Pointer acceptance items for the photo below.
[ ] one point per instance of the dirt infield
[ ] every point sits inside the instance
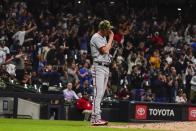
(170, 126)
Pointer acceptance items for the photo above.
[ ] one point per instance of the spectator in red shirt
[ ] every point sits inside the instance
(85, 106)
(157, 40)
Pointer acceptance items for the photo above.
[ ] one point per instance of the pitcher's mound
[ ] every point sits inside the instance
(171, 126)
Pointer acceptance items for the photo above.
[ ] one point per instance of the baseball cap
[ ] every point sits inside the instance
(105, 24)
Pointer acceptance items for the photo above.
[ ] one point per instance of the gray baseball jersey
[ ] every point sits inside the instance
(97, 41)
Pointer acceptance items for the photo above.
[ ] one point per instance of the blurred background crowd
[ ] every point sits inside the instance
(46, 43)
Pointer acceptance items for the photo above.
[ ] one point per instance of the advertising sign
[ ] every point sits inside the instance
(158, 112)
(192, 113)
(141, 112)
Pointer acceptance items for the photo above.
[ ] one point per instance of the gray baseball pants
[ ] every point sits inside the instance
(100, 79)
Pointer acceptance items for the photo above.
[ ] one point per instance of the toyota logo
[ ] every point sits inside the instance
(193, 113)
(140, 111)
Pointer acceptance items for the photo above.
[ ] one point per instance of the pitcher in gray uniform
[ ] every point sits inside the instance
(100, 48)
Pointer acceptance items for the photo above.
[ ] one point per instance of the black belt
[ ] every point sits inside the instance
(102, 64)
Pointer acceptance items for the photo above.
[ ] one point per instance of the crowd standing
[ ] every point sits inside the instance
(154, 57)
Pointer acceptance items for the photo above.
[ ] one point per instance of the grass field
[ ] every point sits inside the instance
(49, 125)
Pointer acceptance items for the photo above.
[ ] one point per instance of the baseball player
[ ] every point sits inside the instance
(101, 59)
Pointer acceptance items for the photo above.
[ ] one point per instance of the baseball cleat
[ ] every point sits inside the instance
(99, 123)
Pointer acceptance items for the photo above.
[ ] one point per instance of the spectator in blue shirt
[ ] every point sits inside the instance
(84, 73)
(85, 89)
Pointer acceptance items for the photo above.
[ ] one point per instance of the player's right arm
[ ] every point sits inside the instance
(105, 49)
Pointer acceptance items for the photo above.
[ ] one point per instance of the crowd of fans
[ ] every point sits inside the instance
(154, 57)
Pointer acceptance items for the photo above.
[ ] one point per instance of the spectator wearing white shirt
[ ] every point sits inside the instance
(69, 94)
(181, 97)
(19, 37)
(5, 48)
(193, 89)
(2, 54)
